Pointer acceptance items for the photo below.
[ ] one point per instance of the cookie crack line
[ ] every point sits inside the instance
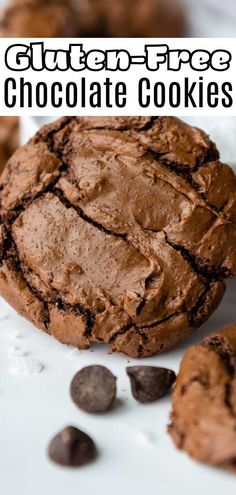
(91, 317)
(68, 120)
(188, 308)
(185, 174)
(141, 329)
(13, 258)
(181, 170)
(196, 310)
(47, 136)
(197, 264)
(12, 255)
(52, 188)
(78, 308)
(12, 214)
(60, 195)
(186, 254)
(209, 279)
(183, 251)
(211, 154)
(59, 303)
(141, 347)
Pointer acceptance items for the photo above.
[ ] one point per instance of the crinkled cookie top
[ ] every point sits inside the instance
(117, 230)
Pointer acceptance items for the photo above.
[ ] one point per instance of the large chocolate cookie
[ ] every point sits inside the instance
(204, 402)
(48, 19)
(61, 18)
(117, 230)
(9, 138)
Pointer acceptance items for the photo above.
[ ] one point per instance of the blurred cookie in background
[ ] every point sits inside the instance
(38, 18)
(9, 138)
(130, 18)
(93, 18)
(40, 2)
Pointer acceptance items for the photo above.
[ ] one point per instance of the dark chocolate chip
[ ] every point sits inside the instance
(71, 447)
(93, 389)
(150, 383)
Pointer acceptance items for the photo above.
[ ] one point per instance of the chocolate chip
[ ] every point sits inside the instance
(93, 389)
(71, 447)
(150, 383)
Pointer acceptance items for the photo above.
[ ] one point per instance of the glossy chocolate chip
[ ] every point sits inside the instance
(71, 447)
(93, 389)
(150, 383)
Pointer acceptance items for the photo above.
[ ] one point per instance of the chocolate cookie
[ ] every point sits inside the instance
(117, 230)
(204, 401)
(9, 138)
(38, 19)
(130, 18)
(54, 18)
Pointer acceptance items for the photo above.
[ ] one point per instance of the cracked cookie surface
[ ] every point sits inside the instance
(203, 419)
(116, 230)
